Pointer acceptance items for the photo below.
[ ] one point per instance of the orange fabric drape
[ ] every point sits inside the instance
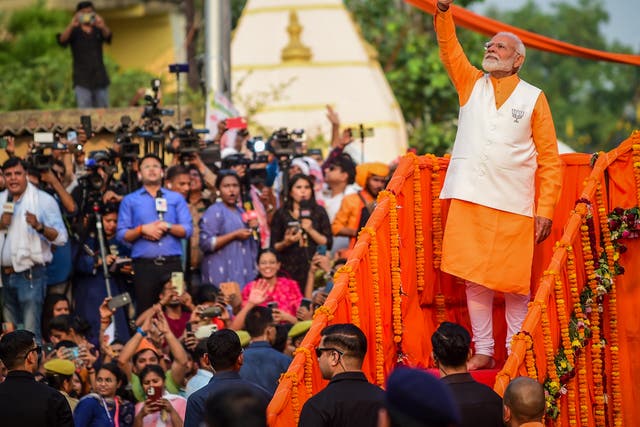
(419, 309)
(484, 25)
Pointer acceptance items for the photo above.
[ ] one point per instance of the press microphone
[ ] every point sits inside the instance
(305, 209)
(8, 205)
(161, 205)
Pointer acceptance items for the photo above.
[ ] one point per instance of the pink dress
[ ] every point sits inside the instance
(156, 419)
(286, 293)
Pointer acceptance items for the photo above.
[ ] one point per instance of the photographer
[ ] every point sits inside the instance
(86, 33)
(89, 282)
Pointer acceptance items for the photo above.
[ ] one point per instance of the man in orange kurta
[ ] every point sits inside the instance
(506, 139)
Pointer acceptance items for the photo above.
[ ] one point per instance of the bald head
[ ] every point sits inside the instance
(524, 401)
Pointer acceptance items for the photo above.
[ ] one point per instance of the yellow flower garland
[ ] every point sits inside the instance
(436, 233)
(308, 369)
(583, 389)
(552, 373)
(353, 293)
(295, 401)
(575, 296)
(396, 278)
(529, 355)
(323, 310)
(377, 308)
(417, 217)
(613, 311)
(596, 354)
(636, 164)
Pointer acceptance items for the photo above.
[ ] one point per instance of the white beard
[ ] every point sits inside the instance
(490, 65)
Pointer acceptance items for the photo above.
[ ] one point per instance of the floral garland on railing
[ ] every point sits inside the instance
(396, 278)
(529, 355)
(377, 309)
(308, 369)
(636, 167)
(417, 219)
(295, 401)
(436, 232)
(552, 383)
(353, 293)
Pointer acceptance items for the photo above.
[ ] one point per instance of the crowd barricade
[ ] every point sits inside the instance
(580, 347)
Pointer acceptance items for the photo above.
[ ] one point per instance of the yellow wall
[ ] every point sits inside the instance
(142, 42)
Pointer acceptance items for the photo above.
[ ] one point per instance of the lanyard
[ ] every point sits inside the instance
(116, 422)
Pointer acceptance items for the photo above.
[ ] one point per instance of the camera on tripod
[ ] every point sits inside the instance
(129, 150)
(189, 141)
(152, 115)
(285, 143)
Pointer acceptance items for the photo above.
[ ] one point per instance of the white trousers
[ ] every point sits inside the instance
(480, 305)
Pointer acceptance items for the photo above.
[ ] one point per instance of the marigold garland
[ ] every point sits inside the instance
(441, 310)
(308, 369)
(396, 278)
(611, 257)
(436, 232)
(583, 389)
(587, 233)
(323, 310)
(552, 383)
(417, 217)
(295, 401)
(636, 168)
(377, 309)
(529, 355)
(353, 293)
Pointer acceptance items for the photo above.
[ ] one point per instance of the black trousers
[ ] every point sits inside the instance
(151, 274)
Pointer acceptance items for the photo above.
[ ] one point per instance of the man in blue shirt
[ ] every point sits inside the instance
(225, 356)
(262, 365)
(153, 219)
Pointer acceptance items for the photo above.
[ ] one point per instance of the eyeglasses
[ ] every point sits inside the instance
(37, 349)
(321, 350)
(498, 45)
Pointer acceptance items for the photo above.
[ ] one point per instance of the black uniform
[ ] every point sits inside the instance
(479, 405)
(25, 402)
(348, 399)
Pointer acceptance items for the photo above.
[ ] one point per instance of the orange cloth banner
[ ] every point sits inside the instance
(392, 288)
(484, 25)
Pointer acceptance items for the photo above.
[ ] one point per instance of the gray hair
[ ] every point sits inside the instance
(519, 45)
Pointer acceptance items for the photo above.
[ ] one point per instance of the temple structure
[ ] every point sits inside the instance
(291, 58)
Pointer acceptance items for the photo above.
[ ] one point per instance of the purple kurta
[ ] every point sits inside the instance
(234, 262)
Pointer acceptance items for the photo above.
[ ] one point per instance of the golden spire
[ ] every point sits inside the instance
(295, 50)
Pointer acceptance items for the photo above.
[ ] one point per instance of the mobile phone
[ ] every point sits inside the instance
(306, 302)
(188, 327)
(48, 348)
(72, 136)
(3, 143)
(74, 352)
(86, 125)
(272, 305)
(294, 224)
(236, 123)
(119, 301)
(178, 68)
(44, 137)
(154, 393)
(177, 281)
(213, 311)
(322, 249)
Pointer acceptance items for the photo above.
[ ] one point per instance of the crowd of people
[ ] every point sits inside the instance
(121, 270)
(141, 293)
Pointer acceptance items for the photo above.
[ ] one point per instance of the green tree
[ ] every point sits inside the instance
(36, 71)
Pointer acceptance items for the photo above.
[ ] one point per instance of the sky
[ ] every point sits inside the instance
(623, 15)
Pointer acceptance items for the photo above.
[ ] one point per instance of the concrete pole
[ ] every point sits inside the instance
(217, 15)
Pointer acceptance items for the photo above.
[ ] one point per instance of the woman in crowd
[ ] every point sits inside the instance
(270, 288)
(54, 305)
(296, 233)
(106, 407)
(226, 241)
(160, 408)
(89, 284)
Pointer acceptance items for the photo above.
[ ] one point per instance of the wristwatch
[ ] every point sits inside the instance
(40, 229)
(169, 225)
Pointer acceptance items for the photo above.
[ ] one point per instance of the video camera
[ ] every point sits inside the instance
(129, 150)
(189, 141)
(40, 158)
(286, 143)
(152, 126)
